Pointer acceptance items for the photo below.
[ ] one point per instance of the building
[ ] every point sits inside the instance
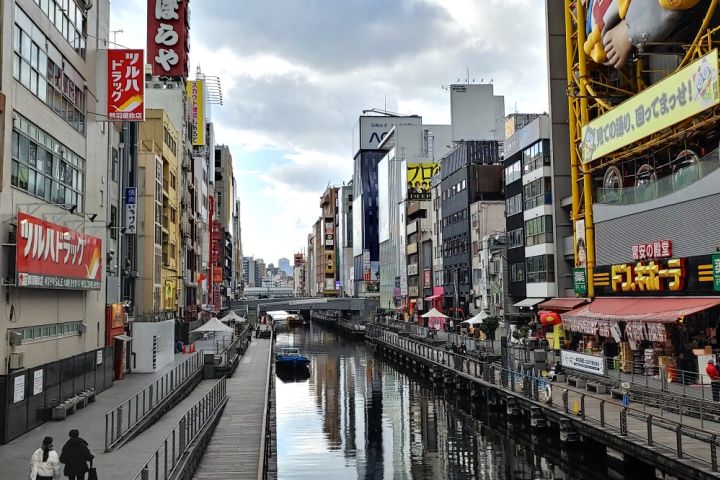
(344, 225)
(487, 240)
(299, 275)
(224, 189)
(54, 168)
(284, 265)
(310, 266)
(238, 274)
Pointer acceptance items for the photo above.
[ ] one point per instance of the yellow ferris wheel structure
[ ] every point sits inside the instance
(595, 89)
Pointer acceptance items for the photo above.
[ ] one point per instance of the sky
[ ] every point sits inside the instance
(296, 74)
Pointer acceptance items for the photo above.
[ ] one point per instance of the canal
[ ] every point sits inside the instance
(354, 415)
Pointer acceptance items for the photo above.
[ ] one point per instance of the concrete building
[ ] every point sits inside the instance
(299, 279)
(54, 170)
(284, 265)
(487, 237)
(238, 263)
(310, 266)
(223, 191)
(344, 234)
(326, 254)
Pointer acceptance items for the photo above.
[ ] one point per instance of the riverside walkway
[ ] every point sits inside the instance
(236, 449)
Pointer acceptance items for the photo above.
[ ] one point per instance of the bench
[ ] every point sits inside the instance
(70, 405)
(596, 387)
(576, 382)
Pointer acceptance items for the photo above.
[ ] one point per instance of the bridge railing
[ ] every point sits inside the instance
(684, 442)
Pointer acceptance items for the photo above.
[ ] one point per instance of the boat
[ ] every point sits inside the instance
(290, 357)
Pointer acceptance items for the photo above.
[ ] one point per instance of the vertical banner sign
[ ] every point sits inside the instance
(196, 97)
(126, 85)
(130, 211)
(53, 256)
(167, 36)
(580, 280)
(716, 271)
(38, 382)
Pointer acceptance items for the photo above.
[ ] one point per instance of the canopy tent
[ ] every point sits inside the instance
(436, 319)
(434, 313)
(213, 325)
(477, 319)
(233, 317)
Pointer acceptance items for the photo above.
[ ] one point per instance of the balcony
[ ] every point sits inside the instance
(686, 175)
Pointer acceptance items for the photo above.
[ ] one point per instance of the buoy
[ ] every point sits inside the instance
(576, 407)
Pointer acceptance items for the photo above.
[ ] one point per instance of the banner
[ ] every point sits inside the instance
(418, 180)
(52, 256)
(126, 85)
(669, 101)
(167, 37)
(196, 96)
(582, 362)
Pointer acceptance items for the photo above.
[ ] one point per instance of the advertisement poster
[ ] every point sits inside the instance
(19, 389)
(580, 245)
(195, 90)
(38, 382)
(126, 85)
(582, 362)
(418, 180)
(53, 256)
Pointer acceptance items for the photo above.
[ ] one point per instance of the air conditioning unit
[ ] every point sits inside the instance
(17, 360)
(83, 328)
(14, 338)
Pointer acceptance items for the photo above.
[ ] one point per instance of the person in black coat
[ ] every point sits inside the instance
(76, 455)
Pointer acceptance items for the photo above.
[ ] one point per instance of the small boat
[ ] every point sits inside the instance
(290, 357)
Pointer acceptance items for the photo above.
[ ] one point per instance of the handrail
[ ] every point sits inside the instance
(122, 420)
(264, 434)
(532, 387)
(163, 461)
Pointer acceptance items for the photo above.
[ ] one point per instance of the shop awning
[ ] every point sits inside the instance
(562, 304)
(433, 297)
(122, 338)
(528, 302)
(644, 309)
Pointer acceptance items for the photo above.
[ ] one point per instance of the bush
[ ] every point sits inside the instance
(488, 327)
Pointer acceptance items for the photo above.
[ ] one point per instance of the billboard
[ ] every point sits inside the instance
(196, 98)
(369, 131)
(126, 85)
(52, 256)
(418, 180)
(167, 37)
(681, 95)
(383, 200)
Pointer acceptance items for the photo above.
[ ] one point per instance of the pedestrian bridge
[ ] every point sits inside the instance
(356, 306)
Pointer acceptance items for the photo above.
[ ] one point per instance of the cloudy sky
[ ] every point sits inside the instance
(297, 73)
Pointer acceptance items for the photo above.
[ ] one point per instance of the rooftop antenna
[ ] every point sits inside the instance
(115, 32)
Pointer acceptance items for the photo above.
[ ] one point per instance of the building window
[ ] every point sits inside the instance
(513, 205)
(539, 230)
(515, 238)
(56, 85)
(536, 156)
(540, 269)
(538, 192)
(517, 272)
(43, 167)
(69, 19)
(513, 172)
(114, 222)
(38, 333)
(114, 164)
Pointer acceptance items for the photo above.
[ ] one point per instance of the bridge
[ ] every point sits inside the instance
(358, 308)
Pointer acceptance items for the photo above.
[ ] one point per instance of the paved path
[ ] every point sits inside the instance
(235, 448)
(15, 456)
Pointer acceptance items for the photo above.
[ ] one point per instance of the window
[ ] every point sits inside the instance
(536, 156)
(513, 205)
(513, 172)
(463, 184)
(538, 192)
(515, 238)
(517, 272)
(69, 19)
(45, 168)
(114, 221)
(114, 164)
(539, 230)
(540, 269)
(172, 181)
(39, 333)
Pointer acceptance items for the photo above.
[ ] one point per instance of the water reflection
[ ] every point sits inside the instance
(359, 417)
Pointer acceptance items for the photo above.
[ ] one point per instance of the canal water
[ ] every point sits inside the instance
(353, 415)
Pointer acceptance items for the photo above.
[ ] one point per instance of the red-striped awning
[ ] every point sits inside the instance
(642, 309)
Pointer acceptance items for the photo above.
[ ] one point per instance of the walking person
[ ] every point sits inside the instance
(76, 455)
(44, 463)
(714, 375)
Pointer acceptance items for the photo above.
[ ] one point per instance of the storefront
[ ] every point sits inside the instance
(652, 315)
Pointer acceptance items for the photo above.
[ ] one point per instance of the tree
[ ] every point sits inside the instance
(488, 327)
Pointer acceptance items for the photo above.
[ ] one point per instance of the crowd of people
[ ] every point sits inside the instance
(74, 460)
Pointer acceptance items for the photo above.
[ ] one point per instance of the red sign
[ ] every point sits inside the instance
(168, 42)
(426, 283)
(52, 256)
(126, 85)
(652, 250)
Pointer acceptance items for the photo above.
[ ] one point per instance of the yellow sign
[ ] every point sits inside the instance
(195, 90)
(418, 180)
(648, 277)
(671, 100)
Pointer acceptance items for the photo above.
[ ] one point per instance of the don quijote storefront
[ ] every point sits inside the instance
(656, 314)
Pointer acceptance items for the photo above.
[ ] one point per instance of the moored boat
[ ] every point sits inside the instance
(290, 357)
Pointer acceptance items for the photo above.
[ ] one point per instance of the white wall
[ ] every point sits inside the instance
(142, 345)
(476, 113)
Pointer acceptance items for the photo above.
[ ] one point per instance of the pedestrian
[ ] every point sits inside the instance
(714, 375)
(76, 455)
(452, 325)
(45, 464)
(463, 349)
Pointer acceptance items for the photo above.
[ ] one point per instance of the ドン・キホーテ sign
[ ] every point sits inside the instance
(53, 256)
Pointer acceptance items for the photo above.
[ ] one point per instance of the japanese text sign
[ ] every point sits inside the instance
(130, 211)
(53, 256)
(649, 277)
(126, 85)
(716, 271)
(652, 250)
(418, 180)
(168, 45)
(669, 101)
(196, 97)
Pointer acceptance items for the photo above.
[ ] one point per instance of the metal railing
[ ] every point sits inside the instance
(624, 421)
(122, 420)
(266, 432)
(162, 463)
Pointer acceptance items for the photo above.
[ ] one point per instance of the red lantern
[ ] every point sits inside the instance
(548, 318)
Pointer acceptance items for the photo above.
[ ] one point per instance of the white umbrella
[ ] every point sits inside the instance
(233, 317)
(434, 313)
(213, 325)
(477, 319)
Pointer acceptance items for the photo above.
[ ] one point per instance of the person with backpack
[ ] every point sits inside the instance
(44, 463)
(76, 455)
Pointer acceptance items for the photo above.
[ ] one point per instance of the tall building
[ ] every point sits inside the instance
(223, 192)
(329, 211)
(238, 264)
(54, 168)
(344, 225)
(284, 265)
(299, 275)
